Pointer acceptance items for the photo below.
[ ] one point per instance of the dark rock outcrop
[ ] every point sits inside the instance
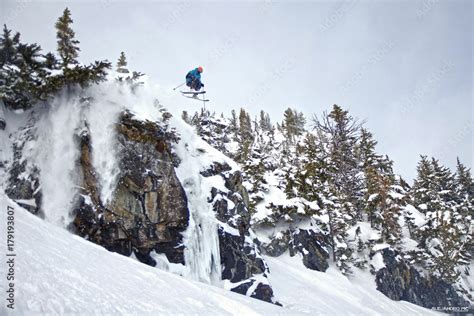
(310, 245)
(240, 256)
(262, 292)
(148, 210)
(215, 169)
(307, 243)
(399, 281)
(240, 259)
(278, 244)
(23, 180)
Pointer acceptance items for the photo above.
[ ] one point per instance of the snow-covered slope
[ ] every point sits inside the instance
(59, 273)
(311, 292)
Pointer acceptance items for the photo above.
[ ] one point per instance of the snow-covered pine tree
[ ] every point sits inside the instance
(121, 66)
(72, 72)
(342, 132)
(293, 124)
(23, 71)
(445, 238)
(245, 136)
(464, 219)
(68, 46)
(338, 133)
(123, 74)
(422, 187)
(234, 126)
(264, 122)
(9, 71)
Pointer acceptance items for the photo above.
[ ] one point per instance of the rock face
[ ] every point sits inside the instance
(23, 180)
(148, 210)
(307, 243)
(310, 245)
(399, 281)
(242, 263)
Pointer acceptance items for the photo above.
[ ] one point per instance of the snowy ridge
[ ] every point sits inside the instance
(305, 291)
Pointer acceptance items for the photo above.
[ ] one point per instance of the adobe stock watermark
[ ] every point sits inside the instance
(426, 7)
(106, 3)
(410, 103)
(20, 6)
(173, 17)
(287, 65)
(225, 48)
(10, 257)
(456, 141)
(266, 5)
(374, 58)
(337, 15)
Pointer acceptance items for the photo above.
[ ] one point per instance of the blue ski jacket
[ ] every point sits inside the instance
(193, 75)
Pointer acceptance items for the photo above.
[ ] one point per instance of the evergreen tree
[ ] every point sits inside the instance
(22, 72)
(72, 74)
(124, 74)
(234, 126)
(464, 217)
(446, 238)
(68, 46)
(8, 46)
(293, 124)
(422, 187)
(122, 64)
(341, 133)
(264, 122)
(245, 138)
(378, 177)
(463, 181)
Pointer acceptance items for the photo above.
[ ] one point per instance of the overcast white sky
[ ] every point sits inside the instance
(403, 66)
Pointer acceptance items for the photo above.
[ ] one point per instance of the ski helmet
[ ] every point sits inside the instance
(200, 69)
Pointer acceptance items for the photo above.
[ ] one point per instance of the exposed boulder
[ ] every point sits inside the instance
(399, 281)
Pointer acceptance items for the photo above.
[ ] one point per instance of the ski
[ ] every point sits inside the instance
(193, 92)
(196, 98)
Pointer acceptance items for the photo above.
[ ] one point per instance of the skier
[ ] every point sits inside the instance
(193, 79)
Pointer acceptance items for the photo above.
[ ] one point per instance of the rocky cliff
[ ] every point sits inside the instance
(148, 212)
(400, 281)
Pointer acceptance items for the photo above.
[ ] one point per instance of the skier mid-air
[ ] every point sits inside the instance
(193, 81)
